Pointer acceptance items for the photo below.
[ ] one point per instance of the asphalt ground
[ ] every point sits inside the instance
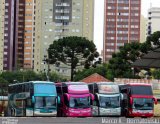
(68, 120)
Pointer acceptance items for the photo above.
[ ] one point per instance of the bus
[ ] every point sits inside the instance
(3, 105)
(34, 98)
(75, 99)
(107, 100)
(138, 100)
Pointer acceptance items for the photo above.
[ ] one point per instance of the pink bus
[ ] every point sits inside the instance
(75, 99)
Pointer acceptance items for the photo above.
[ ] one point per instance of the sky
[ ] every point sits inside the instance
(99, 18)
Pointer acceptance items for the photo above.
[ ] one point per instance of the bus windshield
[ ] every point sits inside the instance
(109, 102)
(143, 103)
(45, 102)
(40, 88)
(83, 102)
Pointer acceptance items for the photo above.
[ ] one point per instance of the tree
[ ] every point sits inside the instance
(25, 76)
(155, 73)
(102, 69)
(154, 39)
(73, 51)
(120, 64)
(3, 86)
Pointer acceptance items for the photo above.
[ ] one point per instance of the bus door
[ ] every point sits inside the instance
(124, 102)
(95, 106)
(20, 108)
(29, 107)
(65, 105)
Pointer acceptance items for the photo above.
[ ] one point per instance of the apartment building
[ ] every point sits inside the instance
(56, 19)
(153, 20)
(2, 12)
(121, 25)
(30, 26)
(18, 34)
(8, 36)
(143, 32)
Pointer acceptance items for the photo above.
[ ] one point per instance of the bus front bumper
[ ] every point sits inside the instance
(110, 112)
(141, 113)
(42, 113)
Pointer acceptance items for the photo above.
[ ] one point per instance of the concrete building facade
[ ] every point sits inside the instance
(8, 44)
(143, 31)
(56, 19)
(153, 20)
(2, 12)
(121, 25)
(30, 26)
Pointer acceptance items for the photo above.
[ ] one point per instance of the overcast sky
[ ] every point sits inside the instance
(99, 17)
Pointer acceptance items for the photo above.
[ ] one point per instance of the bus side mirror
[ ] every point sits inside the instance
(92, 97)
(58, 100)
(33, 99)
(155, 100)
(131, 100)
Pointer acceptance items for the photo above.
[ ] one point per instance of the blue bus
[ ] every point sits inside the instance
(34, 98)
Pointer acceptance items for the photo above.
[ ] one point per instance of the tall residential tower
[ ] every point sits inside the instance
(153, 20)
(28, 27)
(56, 19)
(2, 11)
(121, 25)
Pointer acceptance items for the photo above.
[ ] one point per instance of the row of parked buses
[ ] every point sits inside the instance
(77, 99)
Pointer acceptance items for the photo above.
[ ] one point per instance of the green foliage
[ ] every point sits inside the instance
(55, 77)
(120, 64)
(87, 72)
(3, 81)
(25, 76)
(154, 38)
(3, 86)
(71, 51)
(155, 73)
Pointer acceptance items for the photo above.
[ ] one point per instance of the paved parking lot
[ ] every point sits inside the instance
(90, 120)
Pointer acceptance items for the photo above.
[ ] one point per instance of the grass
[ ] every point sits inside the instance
(157, 110)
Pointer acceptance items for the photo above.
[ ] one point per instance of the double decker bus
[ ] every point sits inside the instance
(3, 105)
(138, 100)
(107, 99)
(35, 98)
(75, 99)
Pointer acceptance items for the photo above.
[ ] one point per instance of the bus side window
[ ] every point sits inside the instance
(29, 103)
(27, 88)
(10, 89)
(15, 89)
(31, 88)
(23, 87)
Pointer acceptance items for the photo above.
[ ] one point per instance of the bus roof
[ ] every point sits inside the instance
(69, 83)
(138, 84)
(106, 83)
(34, 82)
(3, 98)
(64, 84)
